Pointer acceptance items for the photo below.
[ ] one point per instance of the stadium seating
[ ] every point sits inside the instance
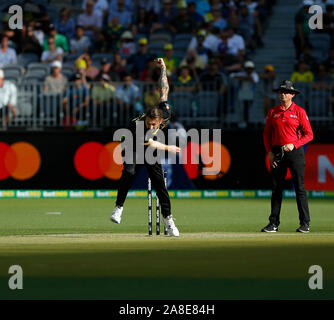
(13, 70)
(71, 57)
(304, 89)
(320, 43)
(23, 59)
(208, 103)
(38, 69)
(182, 102)
(68, 72)
(32, 78)
(319, 104)
(13, 79)
(183, 37)
(160, 38)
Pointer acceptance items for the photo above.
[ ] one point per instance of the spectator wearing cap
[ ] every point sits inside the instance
(102, 99)
(105, 67)
(247, 80)
(91, 70)
(91, 22)
(302, 74)
(211, 39)
(268, 82)
(128, 95)
(171, 62)
(80, 66)
(81, 43)
(103, 92)
(127, 46)
(76, 99)
(203, 52)
(184, 82)
(7, 55)
(182, 23)
(8, 99)
(125, 16)
(56, 82)
(60, 40)
(65, 25)
(52, 53)
(138, 62)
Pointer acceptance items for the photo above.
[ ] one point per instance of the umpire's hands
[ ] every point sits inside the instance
(272, 162)
(289, 147)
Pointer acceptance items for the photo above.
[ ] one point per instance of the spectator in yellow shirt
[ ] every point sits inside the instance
(303, 74)
(171, 62)
(151, 96)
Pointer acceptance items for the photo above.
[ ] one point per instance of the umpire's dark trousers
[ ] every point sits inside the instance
(295, 161)
(155, 173)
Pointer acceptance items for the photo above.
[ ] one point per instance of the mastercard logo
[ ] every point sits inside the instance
(20, 160)
(94, 160)
(218, 162)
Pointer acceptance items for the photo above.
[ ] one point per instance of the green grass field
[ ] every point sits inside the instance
(69, 249)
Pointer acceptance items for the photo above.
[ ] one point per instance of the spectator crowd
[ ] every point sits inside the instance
(203, 43)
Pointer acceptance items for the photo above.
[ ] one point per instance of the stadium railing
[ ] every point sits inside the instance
(37, 110)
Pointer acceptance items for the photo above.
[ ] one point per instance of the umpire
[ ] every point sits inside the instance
(286, 130)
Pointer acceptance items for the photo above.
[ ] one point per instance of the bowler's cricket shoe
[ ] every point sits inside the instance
(170, 226)
(304, 229)
(270, 228)
(116, 215)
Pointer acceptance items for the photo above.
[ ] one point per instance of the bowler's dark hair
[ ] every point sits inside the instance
(154, 113)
